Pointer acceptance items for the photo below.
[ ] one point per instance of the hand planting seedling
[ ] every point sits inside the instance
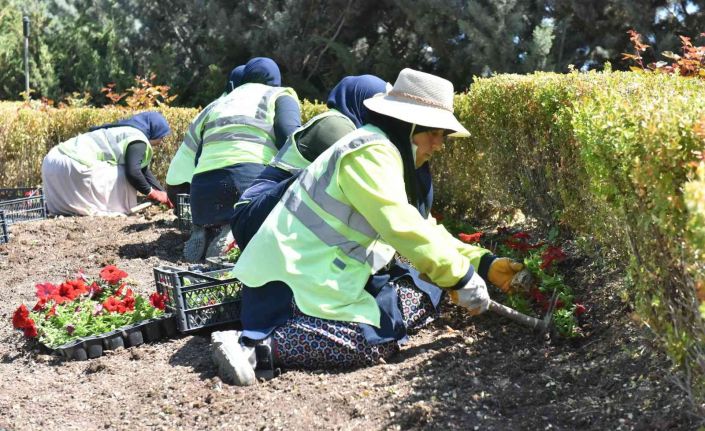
(533, 288)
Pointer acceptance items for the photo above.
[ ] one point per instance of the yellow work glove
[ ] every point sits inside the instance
(502, 271)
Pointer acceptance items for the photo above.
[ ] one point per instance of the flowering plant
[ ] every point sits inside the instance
(82, 307)
(541, 259)
(232, 252)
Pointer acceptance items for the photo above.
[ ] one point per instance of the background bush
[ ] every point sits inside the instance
(27, 133)
(612, 157)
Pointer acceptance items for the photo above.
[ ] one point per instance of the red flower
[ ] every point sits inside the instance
(59, 299)
(67, 292)
(231, 246)
(550, 255)
(537, 296)
(79, 286)
(129, 303)
(51, 312)
(519, 243)
(579, 309)
(94, 290)
(111, 304)
(112, 274)
(158, 300)
(20, 318)
(470, 238)
(521, 235)
(30, 331)
(40, 305)
(45, 290)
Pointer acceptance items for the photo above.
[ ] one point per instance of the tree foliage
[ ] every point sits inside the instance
(81, 45)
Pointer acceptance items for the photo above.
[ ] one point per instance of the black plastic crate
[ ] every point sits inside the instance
(199, 299)
(18, 193)
(4, 234)
(22, 204)
(183, 211)
(220, 262)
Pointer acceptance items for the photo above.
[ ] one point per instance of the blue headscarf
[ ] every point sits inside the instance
(152, 124)
(348, 95)
(235, 78)
(262, 70)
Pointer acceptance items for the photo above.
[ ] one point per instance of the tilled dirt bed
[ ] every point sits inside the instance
(459, 373)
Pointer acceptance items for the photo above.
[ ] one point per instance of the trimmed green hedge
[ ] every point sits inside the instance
(28, 133)
(612, 156)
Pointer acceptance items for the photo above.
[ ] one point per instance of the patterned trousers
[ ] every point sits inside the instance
(314, 343)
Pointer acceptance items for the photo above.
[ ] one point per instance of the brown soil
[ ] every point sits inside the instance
(459, 373)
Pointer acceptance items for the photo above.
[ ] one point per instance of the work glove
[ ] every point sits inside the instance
(502, 271)
(160, 196)
(472, 296)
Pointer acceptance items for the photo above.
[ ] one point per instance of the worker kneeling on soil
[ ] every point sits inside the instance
(101, 171)
(346, 114)
(241, 135)
(181, 167)
(322, 287)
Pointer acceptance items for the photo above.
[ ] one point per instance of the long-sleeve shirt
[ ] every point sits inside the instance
(287, 118)
(140, 178)
(381, 199)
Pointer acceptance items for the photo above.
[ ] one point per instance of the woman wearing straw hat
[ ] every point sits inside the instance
(322, 288)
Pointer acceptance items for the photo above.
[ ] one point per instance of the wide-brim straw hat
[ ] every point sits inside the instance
(419, 98)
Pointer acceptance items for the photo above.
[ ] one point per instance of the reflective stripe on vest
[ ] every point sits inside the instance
(193, 136)
(262, 121)
(316, 190)
(242, 120)
(235, 136)
(108, 145)
(183, 163)
(289, 158)
(240, 128)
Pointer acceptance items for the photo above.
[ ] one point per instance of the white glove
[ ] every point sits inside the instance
(472, 296)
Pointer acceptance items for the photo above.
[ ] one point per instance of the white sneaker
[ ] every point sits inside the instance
(220, 242)
(236, 363)
(196, 244)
